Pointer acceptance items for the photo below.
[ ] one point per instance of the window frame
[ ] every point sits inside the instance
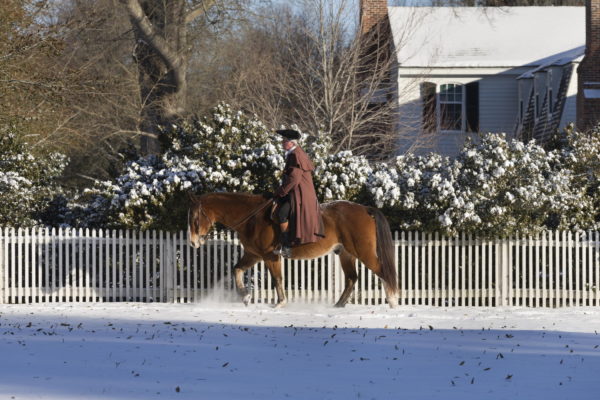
(462, 103)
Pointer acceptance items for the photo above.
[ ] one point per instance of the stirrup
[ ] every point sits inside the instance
(284, 251)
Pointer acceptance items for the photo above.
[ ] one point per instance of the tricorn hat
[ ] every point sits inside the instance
(289, 134)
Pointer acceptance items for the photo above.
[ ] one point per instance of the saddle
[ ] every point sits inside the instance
(275, 220)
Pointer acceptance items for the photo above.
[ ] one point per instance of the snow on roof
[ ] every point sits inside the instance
(484, 36)
(557, 60)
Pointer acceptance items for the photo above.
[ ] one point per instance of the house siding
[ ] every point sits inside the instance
(570, 111)
(498, 103)
(409, 114)
(498, 99)
(411, 139)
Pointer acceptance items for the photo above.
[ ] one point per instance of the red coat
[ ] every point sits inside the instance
(306, 224)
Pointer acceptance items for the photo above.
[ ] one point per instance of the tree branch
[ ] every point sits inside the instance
(198, 10)
(147, 31)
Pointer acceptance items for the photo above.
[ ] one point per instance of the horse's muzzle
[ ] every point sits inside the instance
(196, 241)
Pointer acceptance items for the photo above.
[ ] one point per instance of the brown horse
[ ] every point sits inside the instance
(353, 231)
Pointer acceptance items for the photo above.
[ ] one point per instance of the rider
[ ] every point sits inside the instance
(298, 208)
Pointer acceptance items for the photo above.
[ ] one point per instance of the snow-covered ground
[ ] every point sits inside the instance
(228, 351)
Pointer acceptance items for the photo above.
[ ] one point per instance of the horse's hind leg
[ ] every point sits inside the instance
(247, 261)
(274, 267)
(347, 260)
(372, 263)
(391, 295)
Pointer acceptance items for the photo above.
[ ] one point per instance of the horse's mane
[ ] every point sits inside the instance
(242, 196)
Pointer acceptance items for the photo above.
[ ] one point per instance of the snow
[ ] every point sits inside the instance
(227, 351)
(484, 36)
(556, 60)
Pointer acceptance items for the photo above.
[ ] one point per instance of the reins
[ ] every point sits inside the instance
(205, 236)
(253, 213)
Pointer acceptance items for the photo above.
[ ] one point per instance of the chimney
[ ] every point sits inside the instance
(372, 14)
(588, 93)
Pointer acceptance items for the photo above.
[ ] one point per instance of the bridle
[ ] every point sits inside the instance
(210, 221)
(233, 227)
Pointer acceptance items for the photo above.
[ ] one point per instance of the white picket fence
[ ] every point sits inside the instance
(553, 269)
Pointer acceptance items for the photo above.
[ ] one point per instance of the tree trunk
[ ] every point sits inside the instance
(161, 55)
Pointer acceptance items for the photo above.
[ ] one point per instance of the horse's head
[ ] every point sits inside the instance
(199, 222)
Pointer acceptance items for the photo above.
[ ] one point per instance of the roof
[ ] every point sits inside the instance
(484, 36)
(557, 60)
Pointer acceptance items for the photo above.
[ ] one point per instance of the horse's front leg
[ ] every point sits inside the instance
(247, 261)
(274, 266)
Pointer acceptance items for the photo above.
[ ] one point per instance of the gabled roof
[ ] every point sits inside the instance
(484, 36)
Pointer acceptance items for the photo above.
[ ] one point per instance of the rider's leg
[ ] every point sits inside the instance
(284, 226)
(283, 214)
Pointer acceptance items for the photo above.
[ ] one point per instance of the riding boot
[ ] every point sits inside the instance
(285, 246)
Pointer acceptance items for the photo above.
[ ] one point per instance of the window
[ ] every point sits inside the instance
(454, 108)
(550, 102)
(451, 107)
(537, 105)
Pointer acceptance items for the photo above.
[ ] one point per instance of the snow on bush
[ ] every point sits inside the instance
(341, 176)
(506, 186)
(580, 153)
(227, 151)
(494, 187)
(413, 190)
(28, 181)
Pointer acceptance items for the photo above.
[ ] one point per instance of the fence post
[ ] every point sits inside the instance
(504, 279)
(165, 265)
(171, 266)
(2, 266)
(163, 268)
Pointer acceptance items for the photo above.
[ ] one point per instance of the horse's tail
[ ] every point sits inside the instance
(385, 249)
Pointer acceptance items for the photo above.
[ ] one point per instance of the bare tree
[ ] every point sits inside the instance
(31, 94)
(162, 53)
(101, 107)
(307, 66)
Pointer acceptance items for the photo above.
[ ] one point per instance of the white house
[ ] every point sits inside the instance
(462, 70)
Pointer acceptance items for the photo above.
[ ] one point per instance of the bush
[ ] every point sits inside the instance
(341, 176)
(511, 187)
(580, 153)
(494, 187)
(28, 180)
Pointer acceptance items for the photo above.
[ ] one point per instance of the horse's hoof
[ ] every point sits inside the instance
(246, 299)
(281, 304)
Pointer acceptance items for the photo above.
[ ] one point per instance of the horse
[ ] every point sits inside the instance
(352, 231)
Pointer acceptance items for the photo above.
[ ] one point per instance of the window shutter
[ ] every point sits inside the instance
(428, 98)
(472, 105)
